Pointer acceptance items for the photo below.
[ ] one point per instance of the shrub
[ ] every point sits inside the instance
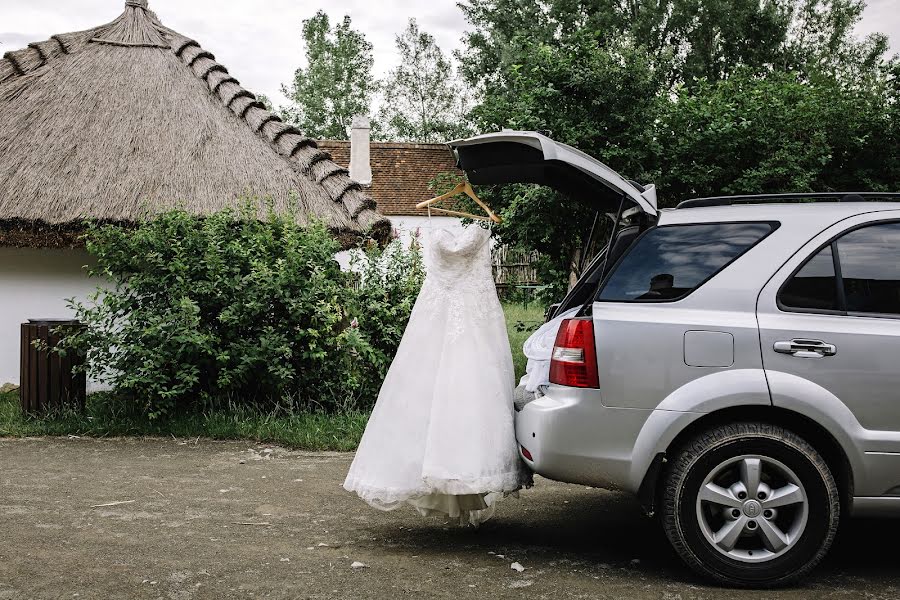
(389, 283)
(199, 312)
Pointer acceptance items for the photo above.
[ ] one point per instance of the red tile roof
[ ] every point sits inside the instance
(400, 172)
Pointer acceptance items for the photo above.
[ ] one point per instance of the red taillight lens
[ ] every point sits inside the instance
(574, 361)
(526, 453)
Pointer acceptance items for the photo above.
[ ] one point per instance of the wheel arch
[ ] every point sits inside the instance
(814, 433)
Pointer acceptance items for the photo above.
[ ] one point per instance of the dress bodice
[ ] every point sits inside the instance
(460, 259)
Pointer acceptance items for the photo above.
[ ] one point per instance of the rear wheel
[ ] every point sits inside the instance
(750, 505)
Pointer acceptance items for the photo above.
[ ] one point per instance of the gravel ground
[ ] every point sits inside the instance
(182, 520)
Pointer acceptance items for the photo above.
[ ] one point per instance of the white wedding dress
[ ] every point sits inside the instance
(441, 436)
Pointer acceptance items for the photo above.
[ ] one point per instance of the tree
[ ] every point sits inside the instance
(751, 134)
(685, 40)
(602, 100)
(821, 40)
(336, 84)
(599, 95)
(616, 80)
(423, 100)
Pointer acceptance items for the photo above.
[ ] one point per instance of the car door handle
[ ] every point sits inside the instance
(802, 348)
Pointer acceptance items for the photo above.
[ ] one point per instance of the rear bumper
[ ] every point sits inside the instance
(572, 437)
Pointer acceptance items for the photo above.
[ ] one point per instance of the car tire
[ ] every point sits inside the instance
(718, 529)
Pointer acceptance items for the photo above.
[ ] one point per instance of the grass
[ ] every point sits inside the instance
(520, 323)
(301, 430)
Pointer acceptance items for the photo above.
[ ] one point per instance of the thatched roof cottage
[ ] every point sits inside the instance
(131, 117)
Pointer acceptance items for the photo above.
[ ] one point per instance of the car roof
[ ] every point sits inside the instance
(830, 212)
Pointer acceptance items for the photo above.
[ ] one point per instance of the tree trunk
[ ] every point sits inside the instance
(574, 267)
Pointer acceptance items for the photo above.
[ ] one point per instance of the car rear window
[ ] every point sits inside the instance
(671, 261)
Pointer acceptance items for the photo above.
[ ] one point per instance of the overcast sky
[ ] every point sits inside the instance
(259, 42)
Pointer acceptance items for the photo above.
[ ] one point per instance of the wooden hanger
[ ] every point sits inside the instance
(463, 187)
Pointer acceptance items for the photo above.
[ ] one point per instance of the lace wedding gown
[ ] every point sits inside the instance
(441, 435)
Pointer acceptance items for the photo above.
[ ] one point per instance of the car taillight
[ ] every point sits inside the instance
(574, 361)
(526, 453)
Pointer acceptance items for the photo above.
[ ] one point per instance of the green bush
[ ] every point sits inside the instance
(389, 282)
(197, 313)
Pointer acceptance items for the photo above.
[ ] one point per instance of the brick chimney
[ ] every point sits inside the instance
(360, 165)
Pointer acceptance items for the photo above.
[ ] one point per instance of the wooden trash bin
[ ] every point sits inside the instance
(47, 380)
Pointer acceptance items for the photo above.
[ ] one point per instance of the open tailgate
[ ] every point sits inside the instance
(530, 157)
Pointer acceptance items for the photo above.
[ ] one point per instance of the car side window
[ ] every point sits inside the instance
(670, 261)
(858, 273)
(813, 286)
(870, 269)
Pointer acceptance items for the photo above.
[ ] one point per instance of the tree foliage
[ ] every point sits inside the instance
(685, 40)
(821, 41)
(422, 99)
(336, 84)
(777, 133)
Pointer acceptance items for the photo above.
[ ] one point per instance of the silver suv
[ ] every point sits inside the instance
(735, 363)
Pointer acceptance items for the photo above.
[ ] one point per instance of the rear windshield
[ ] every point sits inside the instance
(671, 261)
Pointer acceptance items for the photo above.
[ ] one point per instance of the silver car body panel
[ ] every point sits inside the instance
(876, 507)
(648, 394)
(556, 152)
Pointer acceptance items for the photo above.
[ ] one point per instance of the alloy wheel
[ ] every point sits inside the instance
(752, 508)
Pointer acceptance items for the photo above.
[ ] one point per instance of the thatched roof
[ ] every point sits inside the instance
(131, 116)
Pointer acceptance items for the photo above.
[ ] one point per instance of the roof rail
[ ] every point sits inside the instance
(801, 197)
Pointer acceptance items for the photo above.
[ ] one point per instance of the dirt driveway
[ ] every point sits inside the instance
(185, 520)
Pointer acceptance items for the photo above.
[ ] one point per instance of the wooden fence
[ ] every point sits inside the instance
(514, 267)
(510, 268)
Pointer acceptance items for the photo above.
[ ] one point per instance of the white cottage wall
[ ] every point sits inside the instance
(34, 284)
(409, 227)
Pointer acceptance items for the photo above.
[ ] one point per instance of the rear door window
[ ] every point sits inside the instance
(870, 269)
(671, 261)
(814, 286)
(856, 274)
